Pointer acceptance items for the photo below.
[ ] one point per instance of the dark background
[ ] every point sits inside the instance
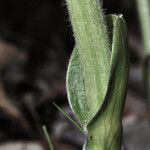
(36, 41)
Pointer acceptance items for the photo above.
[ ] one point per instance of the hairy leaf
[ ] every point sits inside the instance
(107, 123)
(85, 99)
(92, 54)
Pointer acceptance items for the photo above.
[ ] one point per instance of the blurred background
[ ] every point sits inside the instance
(36, 41)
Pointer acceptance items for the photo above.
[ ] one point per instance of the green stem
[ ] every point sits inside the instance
(47, 136)
(144, 14)
(74, 122)
(104, 137)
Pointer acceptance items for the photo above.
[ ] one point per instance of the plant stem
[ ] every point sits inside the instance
(105, 136)
(73, 121)
(144, 14)
(47, 136)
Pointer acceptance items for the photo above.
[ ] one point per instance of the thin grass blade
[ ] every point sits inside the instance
(47, 136)
(67, 116)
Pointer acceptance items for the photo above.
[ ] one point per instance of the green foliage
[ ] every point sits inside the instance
(68, 117)
(47, 136)
(144, 15)
(97, 73)
(89, 28)
(94, 50)
(107, 123)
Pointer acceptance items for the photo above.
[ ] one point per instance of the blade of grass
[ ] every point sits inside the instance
(143, 7)
(47, 136)
(77, 125)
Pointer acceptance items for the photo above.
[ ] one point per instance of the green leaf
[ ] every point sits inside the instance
(104, 130)
(92, 50)
(84, 105)
(101, 116)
